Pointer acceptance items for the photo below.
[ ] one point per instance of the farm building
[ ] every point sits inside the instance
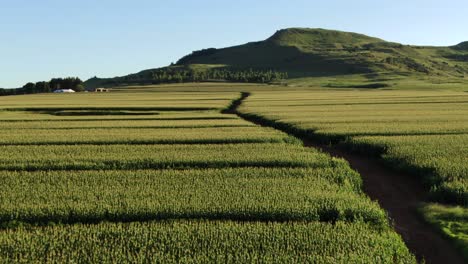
(64, 91)
(100, 90)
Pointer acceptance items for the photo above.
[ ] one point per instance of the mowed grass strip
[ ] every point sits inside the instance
(96, 136)
(205, 242)
(130, 157)
(327, 194)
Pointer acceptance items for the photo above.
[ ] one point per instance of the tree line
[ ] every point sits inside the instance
(73, 83)
(161, 76)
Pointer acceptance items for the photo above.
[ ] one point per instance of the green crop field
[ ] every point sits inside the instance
(120, 101)
(138, 177)
(452, 221)
(424, 133)
(181, 135)
(193, 141)
(205, 242)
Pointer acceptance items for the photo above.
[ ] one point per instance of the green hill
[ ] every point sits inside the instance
(319, 52)
(303, 37)
(304, 52)
(300, 52)
(462, 46)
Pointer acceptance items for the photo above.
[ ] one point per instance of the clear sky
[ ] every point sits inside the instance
(41, 39)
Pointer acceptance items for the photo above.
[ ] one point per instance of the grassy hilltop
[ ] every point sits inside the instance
(318, 52)
(304, 52)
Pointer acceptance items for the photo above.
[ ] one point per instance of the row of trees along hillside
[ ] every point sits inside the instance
(177, 75)
(73, 83)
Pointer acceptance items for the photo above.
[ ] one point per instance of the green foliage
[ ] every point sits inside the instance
(79, 88)
(422, 132)
(128, 157)
(298, 53)
(320, 37)
(205, 242)
(247, 194)
(80, 167)
(105, 136)
(43, 87)
(462, 46)
(73, 83)
(440, 160)
(29, 88)
(162, 121)
(450, 221)
(176, 74)
(304, 52)
(133, 101)
(198, 53)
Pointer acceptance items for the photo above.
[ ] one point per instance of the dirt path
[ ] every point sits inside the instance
(398, 193)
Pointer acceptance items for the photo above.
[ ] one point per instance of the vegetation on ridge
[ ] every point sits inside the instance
(192, 73)
(73, 83)
(305, 52)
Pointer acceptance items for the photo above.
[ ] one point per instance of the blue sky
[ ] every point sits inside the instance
(41, 39)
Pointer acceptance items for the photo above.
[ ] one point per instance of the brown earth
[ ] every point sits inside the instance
(399, 194)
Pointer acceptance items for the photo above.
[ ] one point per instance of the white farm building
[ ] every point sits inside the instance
(64, 91)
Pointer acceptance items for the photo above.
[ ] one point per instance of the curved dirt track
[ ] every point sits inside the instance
(398, 193)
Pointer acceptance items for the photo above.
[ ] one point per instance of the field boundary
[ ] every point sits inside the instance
(398, 193)
(53, 110)
(152, 142)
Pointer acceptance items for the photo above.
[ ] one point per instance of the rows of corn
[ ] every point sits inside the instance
(93, 179)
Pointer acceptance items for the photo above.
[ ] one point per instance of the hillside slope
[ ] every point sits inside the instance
(304, 52)
(319, 52)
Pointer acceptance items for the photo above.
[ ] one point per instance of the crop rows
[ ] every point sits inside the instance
(94, 179)
(127, 157)
(424, 133)
(22, 117)
(325, 194)
(452, 221)
(110, 124)
(205, 242)
(119, 100)
(143, 136)
(444, 166)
